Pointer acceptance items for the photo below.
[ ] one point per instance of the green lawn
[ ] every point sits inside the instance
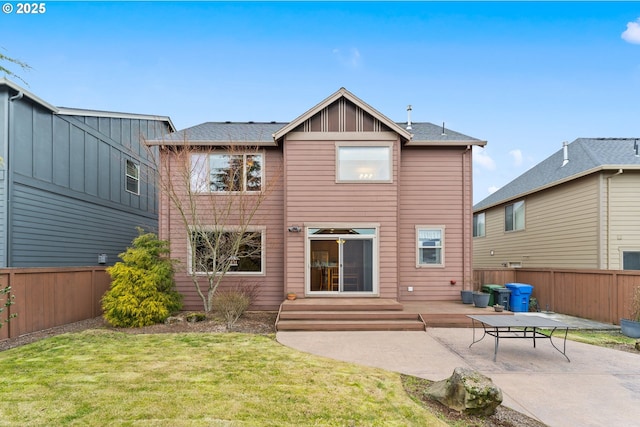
(100, 378)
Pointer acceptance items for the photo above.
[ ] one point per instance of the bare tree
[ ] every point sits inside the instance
(216, 192)
(7, 72)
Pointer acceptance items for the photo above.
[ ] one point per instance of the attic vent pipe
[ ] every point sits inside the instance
(443, 132)
(408, 117)
(635, 146)
(565, 152)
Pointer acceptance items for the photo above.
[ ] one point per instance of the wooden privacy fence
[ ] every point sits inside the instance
(602, 295)
(54, 296)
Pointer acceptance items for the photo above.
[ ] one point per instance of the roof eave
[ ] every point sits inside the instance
(559, 182)
(191, 143)
(445, 143)
(34, 98)
(113, 114)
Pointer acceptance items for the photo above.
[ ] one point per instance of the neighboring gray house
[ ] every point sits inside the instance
(74, 184)
(579, 208)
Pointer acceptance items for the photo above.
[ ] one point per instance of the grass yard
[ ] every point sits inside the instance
(107, 378)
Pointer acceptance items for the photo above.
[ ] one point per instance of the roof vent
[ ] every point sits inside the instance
(443, 132)
(635, 147)
(408, 117)
(565, 153)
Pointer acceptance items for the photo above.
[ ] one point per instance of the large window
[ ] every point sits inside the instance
(363, 163)
(238, 252)
(132, 177)
(514, 216)
(430, 246)
(226, 172)
(478, 225)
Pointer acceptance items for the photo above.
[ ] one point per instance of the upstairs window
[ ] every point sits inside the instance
(132, 177)
(217, 173)
(478, 225)
(363, 163)
(514, 216)
(430, 246)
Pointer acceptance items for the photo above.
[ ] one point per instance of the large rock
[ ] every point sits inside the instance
(467, 391)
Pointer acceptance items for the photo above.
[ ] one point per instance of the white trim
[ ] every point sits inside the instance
(375, 267)
(363, 144)
(249, 229)
(127, 176)
(207, 163)
(417, 248)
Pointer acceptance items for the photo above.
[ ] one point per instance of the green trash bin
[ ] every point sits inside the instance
(488, 289)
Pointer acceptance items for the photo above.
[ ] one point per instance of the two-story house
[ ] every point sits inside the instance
(74, 184)
(577, 209)
(362, 207)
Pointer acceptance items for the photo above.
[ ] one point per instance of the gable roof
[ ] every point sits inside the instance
(585, 155)
(271, 133)
(342, 93)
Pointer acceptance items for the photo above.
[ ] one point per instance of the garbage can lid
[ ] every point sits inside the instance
(519, 286)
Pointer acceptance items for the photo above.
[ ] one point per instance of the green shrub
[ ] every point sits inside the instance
(142, 288)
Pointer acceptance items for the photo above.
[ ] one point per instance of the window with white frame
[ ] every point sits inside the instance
(514, 216)
(478, 225)
(430, 246)
(236, 252)
(363, 163)
(132, 177)
(226, 172)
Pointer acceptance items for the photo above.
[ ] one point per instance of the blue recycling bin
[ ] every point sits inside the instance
(519, 298)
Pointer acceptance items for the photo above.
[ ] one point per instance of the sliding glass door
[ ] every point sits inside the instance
(341, 260)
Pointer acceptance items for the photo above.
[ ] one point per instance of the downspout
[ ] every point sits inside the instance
(608, 238)
(465, 222)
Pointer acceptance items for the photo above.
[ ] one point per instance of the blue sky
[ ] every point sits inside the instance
(523, 76)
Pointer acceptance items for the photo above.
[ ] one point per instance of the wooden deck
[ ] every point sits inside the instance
(357, 314)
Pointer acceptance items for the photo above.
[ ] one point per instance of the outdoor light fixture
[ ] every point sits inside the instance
(295, 229)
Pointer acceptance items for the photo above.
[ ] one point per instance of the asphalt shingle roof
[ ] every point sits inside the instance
(585, 154)
(261, 132)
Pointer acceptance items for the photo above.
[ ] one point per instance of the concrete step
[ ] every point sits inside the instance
(337, 304)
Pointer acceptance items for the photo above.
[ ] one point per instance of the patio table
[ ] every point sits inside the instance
(521, 327)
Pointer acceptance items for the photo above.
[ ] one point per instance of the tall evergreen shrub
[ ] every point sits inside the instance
(142, 288)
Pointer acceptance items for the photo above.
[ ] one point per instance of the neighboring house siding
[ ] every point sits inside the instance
(313, 197)
(68, 197)
(624, 231)
(433, 192)
(269, 216)
(561, 229)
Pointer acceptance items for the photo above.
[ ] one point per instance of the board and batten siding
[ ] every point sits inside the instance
(562, 229)
(269, 217)
(67, 186)
(314, 197)
(435, 191)
(4, 149)
(623, 232)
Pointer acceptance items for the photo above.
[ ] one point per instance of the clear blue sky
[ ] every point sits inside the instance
(523, 76)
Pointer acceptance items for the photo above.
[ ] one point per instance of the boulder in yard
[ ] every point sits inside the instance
(467, 391)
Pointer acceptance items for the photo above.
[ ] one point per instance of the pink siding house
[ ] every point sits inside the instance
(362, 206)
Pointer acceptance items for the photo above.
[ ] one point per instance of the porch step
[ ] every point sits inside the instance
(350, 314)
(350, 325)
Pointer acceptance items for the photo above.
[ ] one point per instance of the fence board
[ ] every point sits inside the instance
(602, 295)
(52, 296)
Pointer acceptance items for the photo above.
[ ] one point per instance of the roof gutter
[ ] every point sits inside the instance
(608, 237)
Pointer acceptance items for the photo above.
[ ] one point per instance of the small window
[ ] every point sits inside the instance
(478, 225)
(631, 260)
(514, 216)
(430, 246)
(363, 163)
(233, 251)
(223, 172)
(133, 177)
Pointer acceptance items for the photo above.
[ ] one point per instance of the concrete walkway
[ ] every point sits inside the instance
(599, 387)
